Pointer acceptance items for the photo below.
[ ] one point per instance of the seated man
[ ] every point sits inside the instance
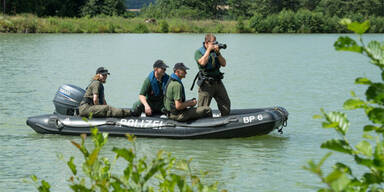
(175, 104)
(94, 101)
(151, 95)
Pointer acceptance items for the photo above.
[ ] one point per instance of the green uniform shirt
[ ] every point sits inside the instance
(95, 88)
(215, 72)
(147, 91)
(174, 92)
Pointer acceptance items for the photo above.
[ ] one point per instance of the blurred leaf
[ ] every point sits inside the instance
(376, 115)
(182, 165)
(93, 157)
(317, 117)
(82, 149)
(375, 92)
(76, 144)
(382, 75)
(337, 120)
(353, 94)
(345, 21)
(359, 28)
(370, 178)
(347, 44)
(339, 180)
(316, 168)
(71, 165)
(85, 119)
(368, 136)
(44, 186)
(375, 50)
(370, 128)
(330, 125)
(334, 175)
(379, 155)
(354, 103)
(365, 148)
(80, 188)
(131, 137)
(363, 81)
(34, 178)
(337, 145)
(344, 167)
(125, 153)
(363, 161)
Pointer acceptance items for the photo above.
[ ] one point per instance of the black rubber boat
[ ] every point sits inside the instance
(240, 123)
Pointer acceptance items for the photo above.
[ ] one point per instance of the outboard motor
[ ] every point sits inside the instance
(67, 99)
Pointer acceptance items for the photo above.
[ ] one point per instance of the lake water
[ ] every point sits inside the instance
(302, 73)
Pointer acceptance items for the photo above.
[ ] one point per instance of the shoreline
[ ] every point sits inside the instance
(27, 23)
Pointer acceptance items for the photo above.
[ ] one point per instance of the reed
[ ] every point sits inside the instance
(284, 22)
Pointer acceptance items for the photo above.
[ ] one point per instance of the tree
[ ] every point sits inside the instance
(105, 7)
(240, 8)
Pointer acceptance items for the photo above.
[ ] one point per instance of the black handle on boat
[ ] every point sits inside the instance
(220, 123)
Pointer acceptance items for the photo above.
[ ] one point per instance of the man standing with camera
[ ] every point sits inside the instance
(209, 61)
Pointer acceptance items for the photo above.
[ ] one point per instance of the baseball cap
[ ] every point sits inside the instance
(160, 64)
(180, 66)
(102, 70)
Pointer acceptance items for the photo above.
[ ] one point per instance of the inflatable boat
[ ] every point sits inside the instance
(240, 122)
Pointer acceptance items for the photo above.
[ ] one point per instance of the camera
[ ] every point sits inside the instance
(221, 45)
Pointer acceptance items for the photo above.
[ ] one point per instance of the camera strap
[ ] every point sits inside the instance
(194, 80)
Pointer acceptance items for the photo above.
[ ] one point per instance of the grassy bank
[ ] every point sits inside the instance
(284, 22)
(33, 24)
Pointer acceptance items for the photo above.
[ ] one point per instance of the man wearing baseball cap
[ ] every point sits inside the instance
(151, 96)
(94, 100)
(175, 104)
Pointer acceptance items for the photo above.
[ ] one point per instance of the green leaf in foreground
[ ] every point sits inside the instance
(336, 120)
(72, 166)
(347, 44)
(375, 51)
(365, 148)
(375, 93)
(338, 145)
(359, 28)
(376, 115)
(363, 81)
(354, 103)
(338, 179)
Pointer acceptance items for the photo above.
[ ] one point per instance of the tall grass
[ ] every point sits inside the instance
(285, 22)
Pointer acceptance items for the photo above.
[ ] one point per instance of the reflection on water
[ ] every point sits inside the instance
(299, 72)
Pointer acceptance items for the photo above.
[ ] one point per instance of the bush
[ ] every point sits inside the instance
(255, 22)
(164, 170)
(140, 28)
(286, 22)
(368, 154)
(240, 27)
(164, 27)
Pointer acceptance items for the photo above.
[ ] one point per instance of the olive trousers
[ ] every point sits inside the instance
(139, 108)
(102, 111)
(192, 113)
(216, 90)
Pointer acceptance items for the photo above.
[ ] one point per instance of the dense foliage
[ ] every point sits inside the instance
(286, 21)
(140, 174)
(233, 9)
(137, 4)
(368, 154)
(195, 9)
(64, 8)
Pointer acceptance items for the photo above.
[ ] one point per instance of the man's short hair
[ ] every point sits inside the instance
(208, 37)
